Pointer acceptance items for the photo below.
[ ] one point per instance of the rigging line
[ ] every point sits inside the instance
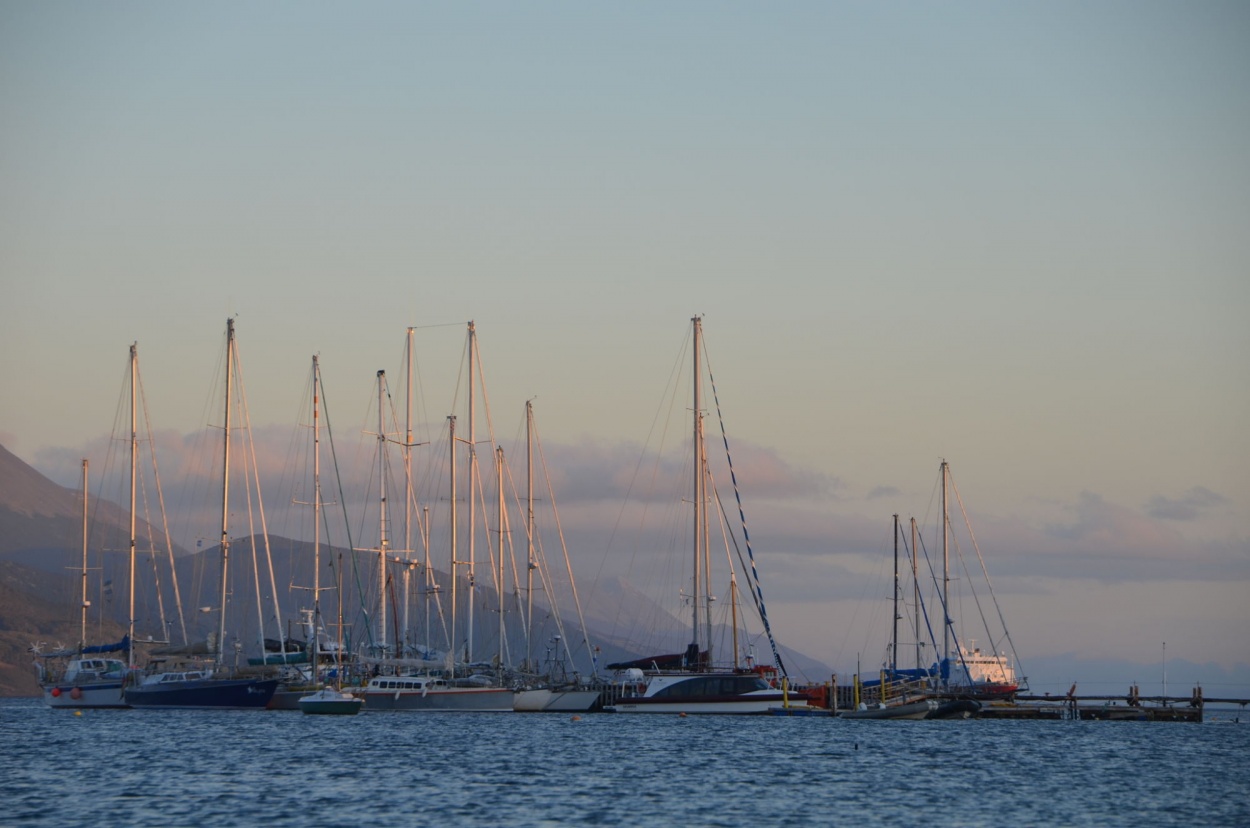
(250, 444)
(976, 599)
(728, 533)
(914, 581)
(160, 496)
(248, 471)
(338, 480)
(950, 622)
(546, 578)
(928, 623)
(985, 572)
(746, 536)
(525, 620)
(634, 480)
(152, 550)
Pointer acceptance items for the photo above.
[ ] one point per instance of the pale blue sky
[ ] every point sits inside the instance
(1011, 235)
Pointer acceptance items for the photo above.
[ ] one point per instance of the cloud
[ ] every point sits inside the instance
(596, 470)
(1097, 524)
(1187, 507)
(619, 503)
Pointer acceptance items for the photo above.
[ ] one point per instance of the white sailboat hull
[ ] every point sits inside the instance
(103, 695)
(909, 710)
(545, 700)
(434, 695)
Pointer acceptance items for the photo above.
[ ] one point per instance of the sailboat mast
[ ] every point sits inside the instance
(382, 543)
(915, 587)
(225, 496)
(894, 643)
(134, 474)
(472, 487)
(316, 639)
(405, 644)
(946, 570)
(529, 524)
(82, 634)
(429, 575)
(697, 496)
(452, 642)
(338, 635)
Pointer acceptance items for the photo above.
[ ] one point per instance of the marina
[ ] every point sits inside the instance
(385, 670)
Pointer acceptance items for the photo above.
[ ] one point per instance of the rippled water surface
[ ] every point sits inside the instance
(132, 767)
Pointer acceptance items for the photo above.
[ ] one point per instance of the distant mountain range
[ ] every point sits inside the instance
(40, 583)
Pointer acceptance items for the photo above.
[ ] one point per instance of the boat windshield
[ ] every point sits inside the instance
(714, 686)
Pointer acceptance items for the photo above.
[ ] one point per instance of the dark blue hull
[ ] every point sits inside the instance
(204, 693)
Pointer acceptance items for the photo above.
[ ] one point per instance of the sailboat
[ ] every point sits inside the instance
(967, 671)
(325, 698)
(305, 668)
(555, 691)
(897, 693)
(330, 700)
(455, 685)
(200, 683)
(89, 677)
(688, 682)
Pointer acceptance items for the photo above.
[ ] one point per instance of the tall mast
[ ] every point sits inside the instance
(382, 541)
(894, 644)
(698, 488)
(316, 418)
(338, 634)
(452, 642)
(407, 495)
(134, 473)
(529, 524)
(225, 496)
(472, 487)
(429, 575)
(915, 587)
(946, 570)
(84, 603)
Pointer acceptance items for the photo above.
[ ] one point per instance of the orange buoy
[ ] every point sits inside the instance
(56, 692)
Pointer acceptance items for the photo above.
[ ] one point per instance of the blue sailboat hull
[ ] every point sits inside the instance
(204, 693)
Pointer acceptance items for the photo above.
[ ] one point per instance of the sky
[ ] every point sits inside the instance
(1010, 236)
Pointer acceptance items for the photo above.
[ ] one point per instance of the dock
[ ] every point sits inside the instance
(1131, 706)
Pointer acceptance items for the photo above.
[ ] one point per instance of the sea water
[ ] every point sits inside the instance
(263, 768)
